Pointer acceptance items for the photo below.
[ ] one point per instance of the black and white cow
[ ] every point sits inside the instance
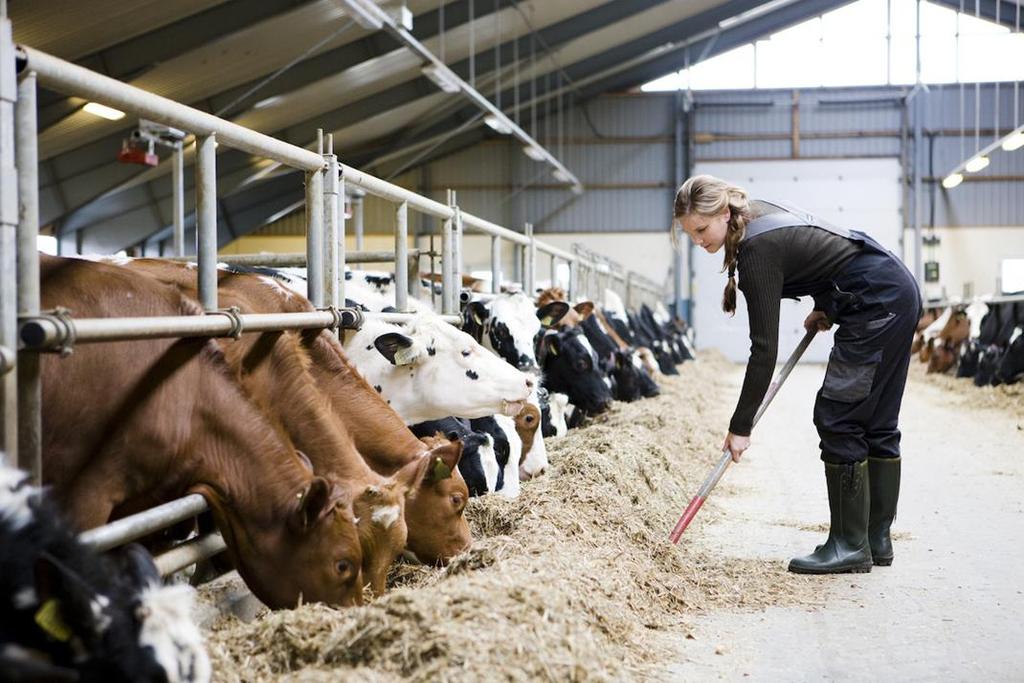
(630, 381)
(491, 451)
(67, 613)
(570, 366)
(510, 325)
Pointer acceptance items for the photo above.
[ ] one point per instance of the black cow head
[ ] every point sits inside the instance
(1011, 365)
(571, 368)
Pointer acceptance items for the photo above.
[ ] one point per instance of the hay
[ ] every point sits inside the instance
(575, 580)
(1006, 397)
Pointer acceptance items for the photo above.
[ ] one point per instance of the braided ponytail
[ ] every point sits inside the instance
(708, 196)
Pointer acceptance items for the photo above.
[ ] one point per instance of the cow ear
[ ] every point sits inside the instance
(584, 308)
(445, 460)
(551, 313)
(304, 459)
(137, 564)
(313, 503)
(397, 348)
(477, 311)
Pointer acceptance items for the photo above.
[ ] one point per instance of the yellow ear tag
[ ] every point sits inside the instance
(441, 471)
(405, 356)
(50, 620)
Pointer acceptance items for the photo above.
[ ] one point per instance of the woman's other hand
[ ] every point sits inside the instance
(736, 445)
(817, 320)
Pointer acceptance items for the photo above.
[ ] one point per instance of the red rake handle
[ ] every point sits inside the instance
(723, 463)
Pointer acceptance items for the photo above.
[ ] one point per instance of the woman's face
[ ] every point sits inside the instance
(707, 232)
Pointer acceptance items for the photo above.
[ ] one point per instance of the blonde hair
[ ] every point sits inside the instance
(706, 195)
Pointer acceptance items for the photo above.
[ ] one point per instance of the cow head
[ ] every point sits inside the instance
(437, 370)
(534, 459)
(570, 367)
(478, 464)
(970, 354)
(509, 325)
(383, 531)
(988, 363)
(508, 448)
(1011, 366)
(434, 509)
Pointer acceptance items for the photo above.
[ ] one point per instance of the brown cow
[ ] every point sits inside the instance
(527, 424)
(131, 424)
(947, 343)
(276, 371)
(435, 497)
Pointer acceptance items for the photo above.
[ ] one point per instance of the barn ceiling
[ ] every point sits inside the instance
(288, 67)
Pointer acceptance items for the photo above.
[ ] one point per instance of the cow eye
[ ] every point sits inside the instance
(457, 500)
(344, 567)
(529, 419)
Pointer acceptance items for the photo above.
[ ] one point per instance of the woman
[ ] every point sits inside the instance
(781, 251)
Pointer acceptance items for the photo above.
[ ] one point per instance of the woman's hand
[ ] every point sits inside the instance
(817, 320)
(736, 445)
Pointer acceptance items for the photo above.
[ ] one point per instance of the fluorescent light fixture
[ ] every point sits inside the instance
(952, 180)
(498, 124)
(103, 111)
(534, 152)
(400, 14)
(269, 102)
(975, 164)
(752, 13)
(1014, 141)
(577, 189)
(561, 175)
(441, 77)
(361, 14)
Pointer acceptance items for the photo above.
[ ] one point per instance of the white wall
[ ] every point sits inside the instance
(970, 256)
(855, 193)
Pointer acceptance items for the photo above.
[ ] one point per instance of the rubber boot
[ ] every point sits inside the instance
(884, 478)
(847, 548)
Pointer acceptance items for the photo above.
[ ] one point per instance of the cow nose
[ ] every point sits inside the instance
(529, 383)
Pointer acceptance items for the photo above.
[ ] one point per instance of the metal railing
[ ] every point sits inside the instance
(325, 257)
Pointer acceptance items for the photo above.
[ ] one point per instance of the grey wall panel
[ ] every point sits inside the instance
(626, 115)
(619, 163)
(601, 211)
(851, 147)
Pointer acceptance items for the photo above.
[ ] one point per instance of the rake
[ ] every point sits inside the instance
(712, 480)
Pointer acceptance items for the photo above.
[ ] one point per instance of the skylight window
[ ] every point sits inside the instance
(868, 42)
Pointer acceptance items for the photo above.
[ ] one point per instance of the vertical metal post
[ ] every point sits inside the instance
(495, 264)
(457, 253)
(629, 289)
(530, 277)
(574, 275)
(680, 106)
(315, 231)
(29, 388)
(447, 282)
(8, 230)
(330, 210)
(206, 219)
(178, 199)
(402, 257)
(357, 219)
(342, 247)
(553, 267)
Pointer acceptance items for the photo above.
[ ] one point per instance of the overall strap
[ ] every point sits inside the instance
(790, 217)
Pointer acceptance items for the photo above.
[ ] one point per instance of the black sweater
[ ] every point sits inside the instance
(795, 257)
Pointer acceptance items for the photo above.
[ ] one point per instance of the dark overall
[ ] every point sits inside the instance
(876, 304)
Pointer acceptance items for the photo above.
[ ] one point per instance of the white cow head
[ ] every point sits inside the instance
(509, 325)
(427, 369)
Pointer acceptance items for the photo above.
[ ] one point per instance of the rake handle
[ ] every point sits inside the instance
(723, 463)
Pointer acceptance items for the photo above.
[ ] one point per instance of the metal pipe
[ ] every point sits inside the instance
(30, 407)
(357, 220)
(8, 241)
(495, 264)
(297, 259)
(574, 274)
(555, 251)
(530, 276)
(206, 219)
(492, 229)
(447, 280)
(50, 332)
(315, 237)
(394, 193)
(189, 553)
(552, 269)
(178, 199)
(7, 360)
(342, 249)
(136, 526)
(402, 257)
(457, 246)
(71, 79)
(330, 228)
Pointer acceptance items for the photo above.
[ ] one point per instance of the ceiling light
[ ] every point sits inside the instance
(577, 189)
(976, 164)
(1014, 141)
(534, 152)
(365, 16)
(442, 77)
(952, 180)
(499, 124)
(561, 175)
(104, 111)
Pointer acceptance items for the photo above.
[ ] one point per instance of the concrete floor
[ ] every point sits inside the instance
(951, 607)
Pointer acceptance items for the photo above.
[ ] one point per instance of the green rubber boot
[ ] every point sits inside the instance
(847, 548)
(884, 478)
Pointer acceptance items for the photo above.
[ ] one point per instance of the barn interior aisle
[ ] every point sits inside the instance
(947, 608)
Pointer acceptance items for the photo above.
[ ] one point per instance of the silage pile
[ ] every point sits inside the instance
(574, 580)
(1007, 397)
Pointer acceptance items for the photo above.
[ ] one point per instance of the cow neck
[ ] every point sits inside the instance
(380, 435)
